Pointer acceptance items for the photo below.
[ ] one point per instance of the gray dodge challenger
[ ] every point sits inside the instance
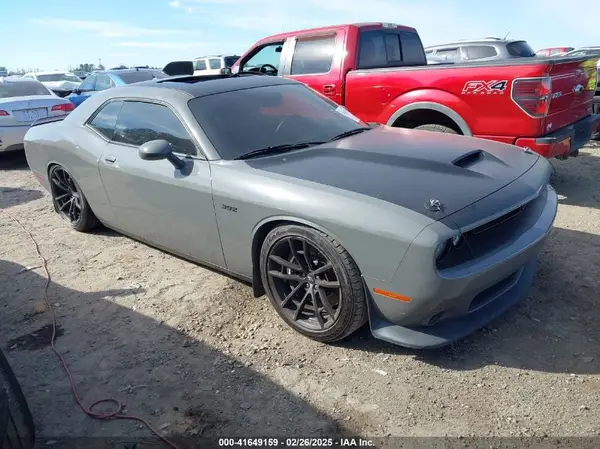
(426, 236)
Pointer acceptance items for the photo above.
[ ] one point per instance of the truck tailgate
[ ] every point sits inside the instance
(573, 88)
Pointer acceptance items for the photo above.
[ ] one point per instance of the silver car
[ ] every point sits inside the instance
(425, 235)
(486, 49)
(22, 101)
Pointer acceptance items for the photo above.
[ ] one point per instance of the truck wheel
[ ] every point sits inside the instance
(437, 128)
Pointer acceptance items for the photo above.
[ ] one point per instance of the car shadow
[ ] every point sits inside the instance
(13, 160)
(11, 196)
(576, 179)
(185, 388)
(555, 329)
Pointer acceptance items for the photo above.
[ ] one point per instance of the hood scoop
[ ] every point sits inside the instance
(468, 159)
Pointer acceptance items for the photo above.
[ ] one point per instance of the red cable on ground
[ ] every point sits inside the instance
(116, 414)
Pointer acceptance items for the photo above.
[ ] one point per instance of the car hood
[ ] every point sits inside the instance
(61, 85)
(410, 168)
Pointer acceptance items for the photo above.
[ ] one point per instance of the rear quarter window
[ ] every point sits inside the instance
(520, 49)
(473, 52)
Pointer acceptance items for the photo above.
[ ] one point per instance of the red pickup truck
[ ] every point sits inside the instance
(378, 71)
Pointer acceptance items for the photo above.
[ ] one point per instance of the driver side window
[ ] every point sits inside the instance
(269, 54)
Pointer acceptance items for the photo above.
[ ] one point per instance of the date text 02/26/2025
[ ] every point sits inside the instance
(295, 442)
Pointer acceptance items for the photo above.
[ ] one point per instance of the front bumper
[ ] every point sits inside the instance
(565, 141)
(11, 137)
(448, 305)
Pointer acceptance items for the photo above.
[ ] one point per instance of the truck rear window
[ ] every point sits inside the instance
(520, 49)
(378, 49)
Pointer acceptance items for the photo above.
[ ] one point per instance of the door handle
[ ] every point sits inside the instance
(110, 159)
(329, 89)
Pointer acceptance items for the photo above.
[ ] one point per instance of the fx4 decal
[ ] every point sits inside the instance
(493, 87)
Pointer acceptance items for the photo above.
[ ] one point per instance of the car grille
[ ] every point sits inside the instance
(494, 235)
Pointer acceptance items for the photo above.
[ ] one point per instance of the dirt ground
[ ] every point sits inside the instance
(194, 353)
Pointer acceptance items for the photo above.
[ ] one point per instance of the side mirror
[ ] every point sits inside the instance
(226, 71)
(176, 68)
(157, 150)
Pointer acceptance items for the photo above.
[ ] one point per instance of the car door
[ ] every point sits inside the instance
(316, 61)
(153, 200)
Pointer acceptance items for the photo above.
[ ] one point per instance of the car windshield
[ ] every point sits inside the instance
(242, 121)
(22, 89)
(141, 75)
(58, 77)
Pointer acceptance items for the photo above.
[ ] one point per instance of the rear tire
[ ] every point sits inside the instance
(437, 128)
(69, 201)
(344, 308)
(16, 423)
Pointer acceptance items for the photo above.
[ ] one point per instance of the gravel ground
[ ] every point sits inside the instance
(194, 353)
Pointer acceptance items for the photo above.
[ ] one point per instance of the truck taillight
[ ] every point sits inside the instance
(533, 95)
(65, 107)
(3, 113)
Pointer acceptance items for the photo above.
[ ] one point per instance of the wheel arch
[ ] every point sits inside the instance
(259, 234)
(436, 110)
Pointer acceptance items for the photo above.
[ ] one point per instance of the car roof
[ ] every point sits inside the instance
(216, 56)
(325, 29)
(52, 72)
(117, 71)
(16, 79)
(483, 41)
(200, 86)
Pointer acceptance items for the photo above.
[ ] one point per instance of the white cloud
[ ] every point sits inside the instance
(436, 21)
(177, 45)
(175, 4)
(106, 28)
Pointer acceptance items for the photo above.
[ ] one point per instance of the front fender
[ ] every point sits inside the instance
(430, 99)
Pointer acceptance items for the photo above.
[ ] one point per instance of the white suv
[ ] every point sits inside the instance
(212, 65)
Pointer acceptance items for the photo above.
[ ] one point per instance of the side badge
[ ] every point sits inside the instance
(434, 205)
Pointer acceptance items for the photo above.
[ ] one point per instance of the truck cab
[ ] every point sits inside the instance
(379, 72)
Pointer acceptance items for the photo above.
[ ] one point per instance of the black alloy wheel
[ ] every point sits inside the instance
(66, 196)
(307, 287)
(313, 283)
(69, 201)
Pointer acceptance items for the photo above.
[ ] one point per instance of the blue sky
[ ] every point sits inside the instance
(58, 33)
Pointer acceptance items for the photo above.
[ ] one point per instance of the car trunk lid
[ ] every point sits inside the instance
(19, 111)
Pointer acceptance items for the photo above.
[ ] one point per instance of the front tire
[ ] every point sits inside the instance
(69, 201)
(313, 283)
